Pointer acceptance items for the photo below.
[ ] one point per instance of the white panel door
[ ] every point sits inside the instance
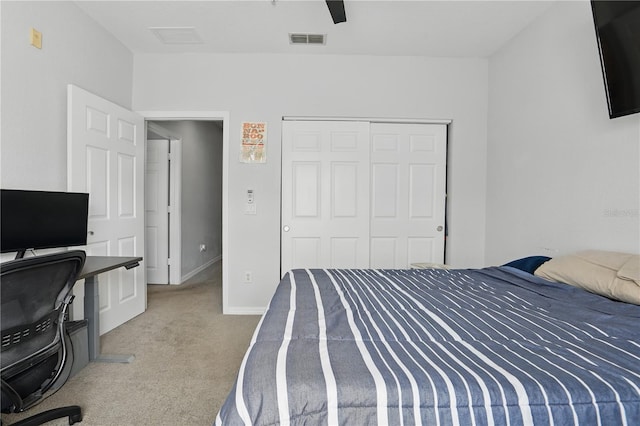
(156, 206)
(325, 195)
(105, 157)
(408, 178)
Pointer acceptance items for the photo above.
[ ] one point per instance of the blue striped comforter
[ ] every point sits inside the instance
(493, 346)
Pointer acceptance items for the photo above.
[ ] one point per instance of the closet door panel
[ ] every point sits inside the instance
(325, 195)
(408, 163)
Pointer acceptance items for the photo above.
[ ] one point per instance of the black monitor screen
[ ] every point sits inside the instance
(42, 219)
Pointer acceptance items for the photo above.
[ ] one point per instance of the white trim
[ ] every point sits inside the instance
(210, 116)
(185, 115)
(175, 194)
(371, 119)
(247, 310)
(199, 269)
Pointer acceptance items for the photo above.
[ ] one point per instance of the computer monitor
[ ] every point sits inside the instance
(42, 219)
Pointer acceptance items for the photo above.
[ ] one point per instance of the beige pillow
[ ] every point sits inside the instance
(631, 270)
(611, 274)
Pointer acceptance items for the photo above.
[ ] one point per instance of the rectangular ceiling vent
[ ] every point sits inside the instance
(177, 35)
(301, 38)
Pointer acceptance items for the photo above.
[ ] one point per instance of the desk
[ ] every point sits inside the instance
(93, 266)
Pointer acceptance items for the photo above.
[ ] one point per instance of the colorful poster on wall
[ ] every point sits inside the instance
(254, 142)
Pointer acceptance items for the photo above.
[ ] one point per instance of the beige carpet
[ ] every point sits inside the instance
(187, 357)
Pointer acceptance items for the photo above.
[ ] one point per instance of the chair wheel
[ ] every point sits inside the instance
(76, 418)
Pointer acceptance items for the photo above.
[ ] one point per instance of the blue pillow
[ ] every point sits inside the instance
(528, 264)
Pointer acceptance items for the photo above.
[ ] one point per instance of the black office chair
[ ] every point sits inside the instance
(36, 351)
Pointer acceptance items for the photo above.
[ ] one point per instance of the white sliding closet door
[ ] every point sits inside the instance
(408, 178)
(362, 195)
(325, 195)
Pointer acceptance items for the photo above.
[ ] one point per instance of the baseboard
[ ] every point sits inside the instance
(244, 311)
(199, 269)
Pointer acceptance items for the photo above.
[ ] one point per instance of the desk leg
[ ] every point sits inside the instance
(92, 314)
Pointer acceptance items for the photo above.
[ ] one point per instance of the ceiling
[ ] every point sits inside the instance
(454, 28)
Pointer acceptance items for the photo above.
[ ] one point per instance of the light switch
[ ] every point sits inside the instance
(250, 205)
(35, 37)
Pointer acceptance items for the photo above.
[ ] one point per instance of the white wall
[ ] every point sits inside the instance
(33, 130)
(201, 192)
(267, 87)
(33, 119)
(560, 174)
(34, 86)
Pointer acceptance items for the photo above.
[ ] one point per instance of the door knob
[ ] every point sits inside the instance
(440, 228)
(286, 228)
(90, 232)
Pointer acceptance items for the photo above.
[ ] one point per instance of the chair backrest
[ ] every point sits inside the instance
(33, 294)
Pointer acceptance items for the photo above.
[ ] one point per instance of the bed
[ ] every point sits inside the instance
(492, 346)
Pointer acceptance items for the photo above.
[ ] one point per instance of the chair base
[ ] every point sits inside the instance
(74, 412)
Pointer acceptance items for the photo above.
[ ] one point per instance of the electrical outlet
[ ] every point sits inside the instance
(247, 277)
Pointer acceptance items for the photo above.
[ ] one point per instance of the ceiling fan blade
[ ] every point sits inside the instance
(336, 8)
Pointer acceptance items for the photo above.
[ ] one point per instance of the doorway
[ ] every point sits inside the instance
(193, 217)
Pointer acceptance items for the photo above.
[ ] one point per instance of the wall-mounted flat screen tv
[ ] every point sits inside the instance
(42, 219)
(617, 25)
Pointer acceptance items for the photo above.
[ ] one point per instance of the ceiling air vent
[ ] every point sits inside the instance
(177, 35)
(300, 38)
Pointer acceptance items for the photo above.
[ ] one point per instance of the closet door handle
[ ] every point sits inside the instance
(286, 228)
(439, 228)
